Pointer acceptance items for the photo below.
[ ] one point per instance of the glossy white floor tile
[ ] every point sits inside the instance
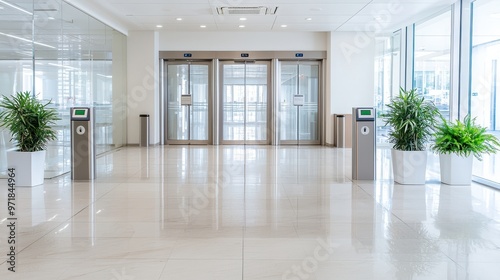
(250, 212)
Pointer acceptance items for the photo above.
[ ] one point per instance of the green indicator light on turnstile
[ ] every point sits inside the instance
(366, 112)
(79, 112)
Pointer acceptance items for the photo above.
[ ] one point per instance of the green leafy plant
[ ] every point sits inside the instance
(464, 138)
(412, 120)
(28, 120)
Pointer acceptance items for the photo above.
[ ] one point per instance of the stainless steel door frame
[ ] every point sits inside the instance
(188, 141)
(319, 115)
(268, 124)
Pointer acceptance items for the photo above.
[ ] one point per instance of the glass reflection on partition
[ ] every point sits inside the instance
(485, 79)
(68, 59)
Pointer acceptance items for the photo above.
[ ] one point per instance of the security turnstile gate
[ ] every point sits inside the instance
(82, 144)
(363, 144)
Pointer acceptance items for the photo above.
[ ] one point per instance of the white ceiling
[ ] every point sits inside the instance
(325, 15)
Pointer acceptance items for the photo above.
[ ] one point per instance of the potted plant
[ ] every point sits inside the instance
(412, 119)
(29, 122)
(457, 142)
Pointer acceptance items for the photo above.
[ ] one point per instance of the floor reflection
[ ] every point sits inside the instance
(252, 212)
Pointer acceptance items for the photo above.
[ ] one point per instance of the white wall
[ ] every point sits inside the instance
(352, 57)
(142, 84)
(243, 41)
(119, 89)
(349, 66)
(349, 75)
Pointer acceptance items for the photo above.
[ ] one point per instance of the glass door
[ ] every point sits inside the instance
(298, 103)
(245, 110)
(187, 98)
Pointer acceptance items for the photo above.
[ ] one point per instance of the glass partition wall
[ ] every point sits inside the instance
(61, 54)
(485, 80)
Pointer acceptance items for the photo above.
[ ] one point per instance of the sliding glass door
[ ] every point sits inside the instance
(298, 103)
(188, 99)
(245, 97)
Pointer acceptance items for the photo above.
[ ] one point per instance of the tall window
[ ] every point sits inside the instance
(485, 78)
(431, 72)
(387, 76)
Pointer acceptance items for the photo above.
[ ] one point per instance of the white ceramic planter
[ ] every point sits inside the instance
(30, 167)
(456, 170)
(409, 167)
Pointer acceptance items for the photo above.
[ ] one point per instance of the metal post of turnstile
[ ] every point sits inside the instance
(363, 144)
(340, 133)
(144, 130)
(82, 143)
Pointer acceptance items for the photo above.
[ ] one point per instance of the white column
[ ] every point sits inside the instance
(119, 89)
(350, 74)
(142, 84)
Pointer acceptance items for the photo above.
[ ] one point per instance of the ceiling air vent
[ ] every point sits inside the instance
(241, 11)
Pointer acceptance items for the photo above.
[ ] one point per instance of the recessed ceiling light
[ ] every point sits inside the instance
(241, 26)
(159, 26)
(309, 19)
(178, 19)
(203, 26)
(243, 18)
(51, 18)
(284, 25)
